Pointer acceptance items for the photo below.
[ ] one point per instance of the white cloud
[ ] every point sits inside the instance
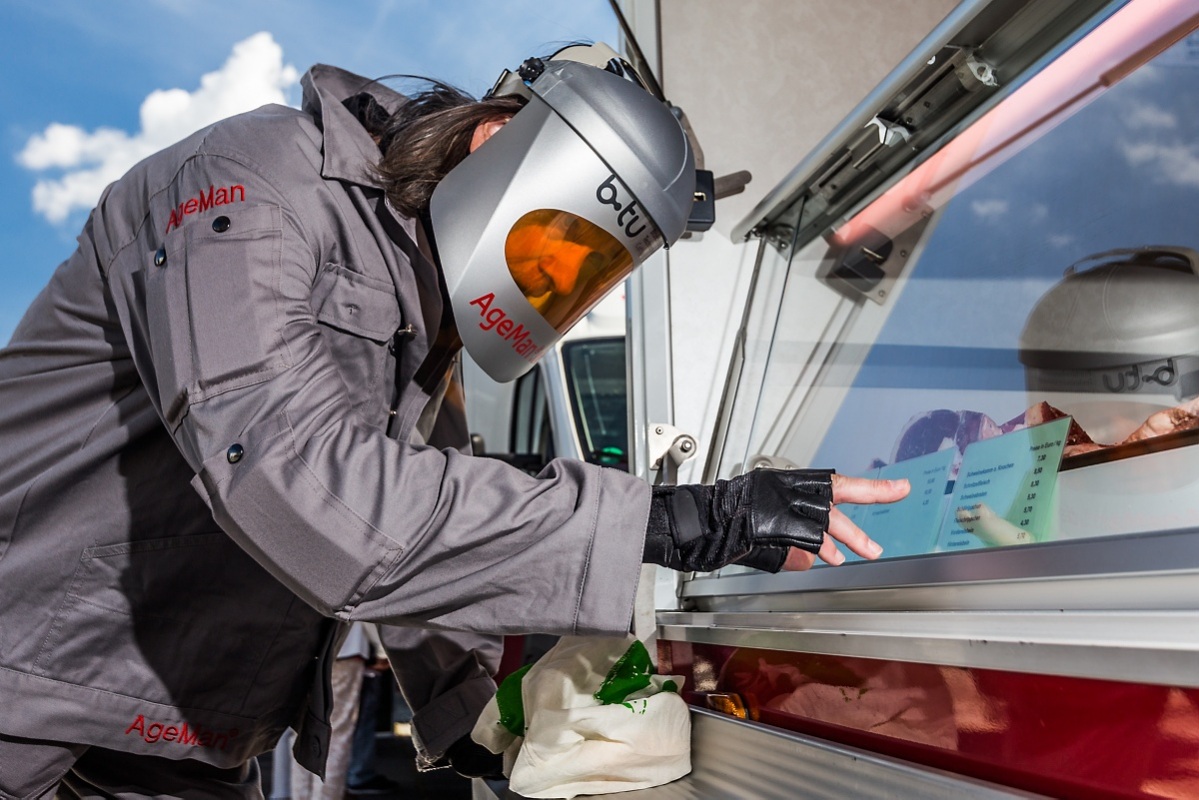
(989, 209)
(253, 75)
(1149, 115)
(1176, 164)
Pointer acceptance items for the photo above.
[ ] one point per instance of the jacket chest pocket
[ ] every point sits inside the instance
(359, 317)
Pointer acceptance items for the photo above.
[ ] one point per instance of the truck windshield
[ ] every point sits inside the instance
(595, 380)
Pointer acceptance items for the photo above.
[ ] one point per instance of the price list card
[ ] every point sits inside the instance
(1004, 489)
(910, 526)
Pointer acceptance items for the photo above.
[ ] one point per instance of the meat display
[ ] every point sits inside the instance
(1077, 440)
(1170, 420)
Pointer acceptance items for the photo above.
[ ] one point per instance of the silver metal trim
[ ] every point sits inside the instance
(648, 357)
(1126, 611)
(733, 758)
(561, 410)
(962, 17)
(1145, 647)
(1162, 554)
(1162, 592)
(860, 117)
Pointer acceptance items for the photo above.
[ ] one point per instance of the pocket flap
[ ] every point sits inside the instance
(354, 303)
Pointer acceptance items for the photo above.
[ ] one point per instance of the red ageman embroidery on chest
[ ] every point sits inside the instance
(203, 201)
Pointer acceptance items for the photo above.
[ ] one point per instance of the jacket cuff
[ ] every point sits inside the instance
(613, 560)
(447, 718)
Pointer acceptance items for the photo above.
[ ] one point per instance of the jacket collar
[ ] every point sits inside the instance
(349, 151)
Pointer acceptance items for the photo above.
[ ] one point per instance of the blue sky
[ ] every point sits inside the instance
(91, 84)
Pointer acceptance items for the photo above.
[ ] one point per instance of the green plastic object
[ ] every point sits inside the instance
(510, 702)
(629, 674)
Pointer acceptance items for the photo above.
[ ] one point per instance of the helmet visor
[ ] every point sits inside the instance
(564, 264)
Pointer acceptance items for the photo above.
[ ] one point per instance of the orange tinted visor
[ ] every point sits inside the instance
(564, 264)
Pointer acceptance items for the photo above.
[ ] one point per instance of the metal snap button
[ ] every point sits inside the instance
(234, 453)
(220, 224)
(160, 257)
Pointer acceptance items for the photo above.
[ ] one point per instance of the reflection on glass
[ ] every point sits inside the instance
(912, 702)
(1050, 292)
(564, 264)
(1073, 733)
(595, 376)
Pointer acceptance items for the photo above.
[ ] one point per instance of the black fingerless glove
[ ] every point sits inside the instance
(752, 520)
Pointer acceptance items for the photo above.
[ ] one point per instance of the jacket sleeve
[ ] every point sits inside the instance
(445, 677)
(358, 525)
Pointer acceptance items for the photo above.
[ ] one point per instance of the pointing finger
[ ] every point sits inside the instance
(842, 529)
(847, 489)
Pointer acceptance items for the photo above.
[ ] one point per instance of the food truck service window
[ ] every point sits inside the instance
(1012, 324)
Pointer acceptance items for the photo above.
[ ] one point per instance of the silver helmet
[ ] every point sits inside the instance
(585, 182)
(1117, 338)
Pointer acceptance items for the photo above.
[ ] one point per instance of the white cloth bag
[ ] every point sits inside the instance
(595, 721)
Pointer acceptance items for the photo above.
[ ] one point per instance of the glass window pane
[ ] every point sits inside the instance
(1034, 370)
(595, 374)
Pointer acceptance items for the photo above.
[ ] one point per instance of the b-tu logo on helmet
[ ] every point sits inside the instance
(1132, 379)
(630, 217)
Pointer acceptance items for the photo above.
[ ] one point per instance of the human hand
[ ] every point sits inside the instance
(991, 529)
(841, 528)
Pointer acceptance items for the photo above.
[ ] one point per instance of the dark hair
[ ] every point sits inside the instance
(427, 137)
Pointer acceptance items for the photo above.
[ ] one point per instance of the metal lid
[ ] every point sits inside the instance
(1133, 306)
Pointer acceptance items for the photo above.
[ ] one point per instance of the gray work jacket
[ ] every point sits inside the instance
(207, 465)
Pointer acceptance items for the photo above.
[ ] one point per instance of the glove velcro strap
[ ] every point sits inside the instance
(685, 515)
(682, 533)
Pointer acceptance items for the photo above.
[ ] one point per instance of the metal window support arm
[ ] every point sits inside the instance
(668, 448)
